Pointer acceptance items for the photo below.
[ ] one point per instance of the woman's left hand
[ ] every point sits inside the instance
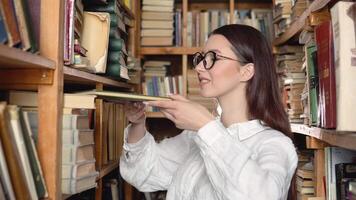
(184, 113)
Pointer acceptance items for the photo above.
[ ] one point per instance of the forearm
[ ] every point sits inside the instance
(136, 132)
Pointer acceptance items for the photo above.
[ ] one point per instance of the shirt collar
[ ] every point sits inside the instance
(246, 129)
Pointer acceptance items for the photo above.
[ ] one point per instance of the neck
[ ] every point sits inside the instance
(234, 107)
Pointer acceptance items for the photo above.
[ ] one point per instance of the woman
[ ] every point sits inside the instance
(246, 153)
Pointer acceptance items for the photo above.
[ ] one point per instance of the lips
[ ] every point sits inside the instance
(203, 80)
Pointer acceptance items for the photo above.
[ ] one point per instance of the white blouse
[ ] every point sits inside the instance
(244, 161)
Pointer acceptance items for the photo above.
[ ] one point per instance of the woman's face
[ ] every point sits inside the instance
(224, 76)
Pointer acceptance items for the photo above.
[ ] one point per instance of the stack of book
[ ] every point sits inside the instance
(157, 24)
(78, 161)
(290, 62)
(282, 12)
(19, 24)
(194, 92)
(299, 6)
(134, 68)
(305, 181)
(74, 53)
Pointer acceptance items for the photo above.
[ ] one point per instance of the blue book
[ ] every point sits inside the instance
(3, 33)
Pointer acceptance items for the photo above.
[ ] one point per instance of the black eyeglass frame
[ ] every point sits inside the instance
(216, 57)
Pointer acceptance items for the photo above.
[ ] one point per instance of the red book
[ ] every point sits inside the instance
(326, 69)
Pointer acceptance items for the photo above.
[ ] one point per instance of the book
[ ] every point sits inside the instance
(313, 79)
(76, 185)
(32, 155)
(9, 17)
(146, 15)
(69, 121)
(157, 41)
(12, 156)
(3, 33)
(78, 170)
(345, 72)
(344, 172)
(326, 71)
(78, 136)
(73, 154)
(126, 96)
(157, 8)
(95, 39)
(71, 101)
(15, 126)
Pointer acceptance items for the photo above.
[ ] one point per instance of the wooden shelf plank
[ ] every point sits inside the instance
(300, 22)
(108, 168)
(12, 58)
(169, 50)
(72, 75)
(154, 115)
(337, 138)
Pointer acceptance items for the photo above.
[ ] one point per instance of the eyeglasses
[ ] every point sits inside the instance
(209, 59)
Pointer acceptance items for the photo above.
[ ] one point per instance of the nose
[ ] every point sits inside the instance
(200, 67)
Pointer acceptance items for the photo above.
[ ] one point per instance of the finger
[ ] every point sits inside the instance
(168, 115)
(178, 97)
(137, 115)
(162, 104)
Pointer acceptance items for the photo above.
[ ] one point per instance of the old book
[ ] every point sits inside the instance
(29, 99)
(12, 156)
(127, 96)
(155, 24)
(156, 8)
(157, 41)
(32, 155)
(76, 185)
(78, 170)
(20, 145)
(313, 79)
(96, 25)
(156, 32)
(344, 42)
(78, 136)
(69, 16)
(3, 32)
(169, 3)
(5, 175)
(23, 24)
(146, 15)
(13, 33)
(72, 154)
(326, 71)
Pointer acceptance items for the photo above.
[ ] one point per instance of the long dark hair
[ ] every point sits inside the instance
(262, 92)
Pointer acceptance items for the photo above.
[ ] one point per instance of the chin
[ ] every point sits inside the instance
(208, 93)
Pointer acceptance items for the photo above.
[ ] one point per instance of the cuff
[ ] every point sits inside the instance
(137, 146)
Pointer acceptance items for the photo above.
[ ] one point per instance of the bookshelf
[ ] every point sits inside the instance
(45, 73)
(300, 22)
(317, 138)
(169, 50)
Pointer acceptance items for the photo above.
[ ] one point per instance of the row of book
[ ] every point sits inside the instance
(164, 27)
(20, 24)
(285, 12)
(78, 160)
(96, 37)
(327, 62)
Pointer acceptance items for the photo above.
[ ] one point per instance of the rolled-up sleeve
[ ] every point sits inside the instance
(237, 172)
(150, 166)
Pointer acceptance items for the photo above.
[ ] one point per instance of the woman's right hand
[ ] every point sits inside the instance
(135, 112)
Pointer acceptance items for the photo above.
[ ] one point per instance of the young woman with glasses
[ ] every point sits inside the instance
(246, 153)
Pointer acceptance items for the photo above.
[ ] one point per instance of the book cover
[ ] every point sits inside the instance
(344, 41)
(126, 96)
(3, 33)
(9, 17)
(326, 71)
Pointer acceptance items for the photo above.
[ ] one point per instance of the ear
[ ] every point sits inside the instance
(247, 71)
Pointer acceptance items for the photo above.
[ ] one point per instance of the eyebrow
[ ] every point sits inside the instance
(215, 50)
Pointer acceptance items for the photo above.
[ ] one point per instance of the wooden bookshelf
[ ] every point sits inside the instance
(154, 115)
(12, 58)
(72, 75)
(298, 24)
(169, 50)
(108, 168)
(333, 137)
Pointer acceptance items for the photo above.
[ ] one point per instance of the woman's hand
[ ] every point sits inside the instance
(135, 112)
(184, 113)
